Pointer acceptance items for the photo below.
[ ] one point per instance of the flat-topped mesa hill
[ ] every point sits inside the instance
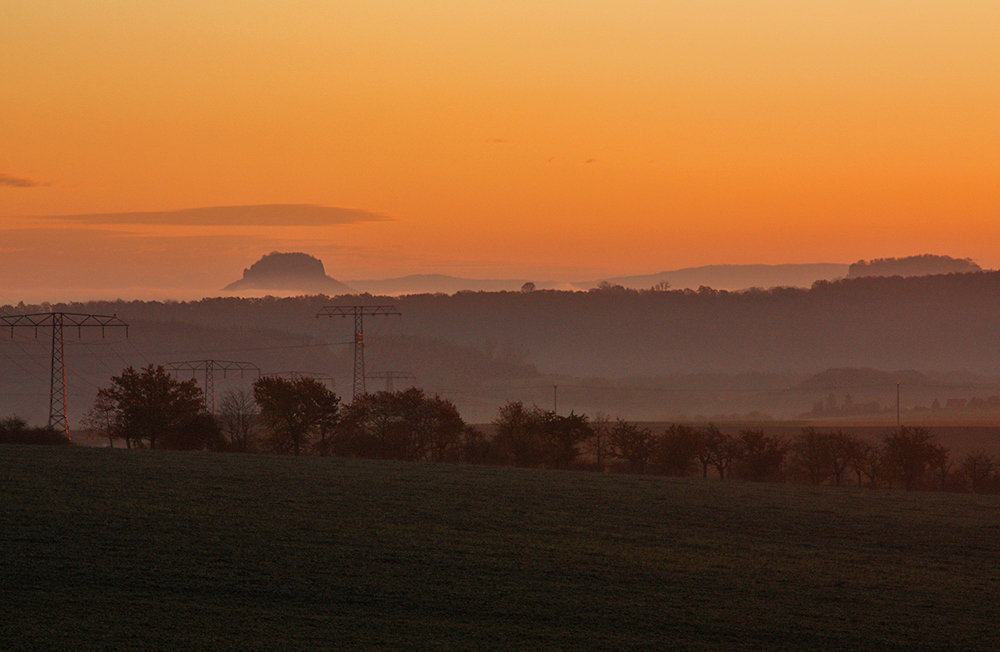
(288, 272)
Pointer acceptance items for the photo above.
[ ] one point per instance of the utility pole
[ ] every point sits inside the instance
(392, 375)
(359, 313)
(897, 406)
(209, 368)
(555, 399)
(57, 321)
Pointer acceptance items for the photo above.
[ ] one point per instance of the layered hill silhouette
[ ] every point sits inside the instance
(720, 277)
(924, 265)
(942, 322)
(304, 273)
(288, 272)
(482, 348)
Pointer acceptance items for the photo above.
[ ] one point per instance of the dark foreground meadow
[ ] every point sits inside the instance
(149, 550)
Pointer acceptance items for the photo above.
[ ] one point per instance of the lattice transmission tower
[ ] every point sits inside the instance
(209, 367)
(359, 313)
(57, 322)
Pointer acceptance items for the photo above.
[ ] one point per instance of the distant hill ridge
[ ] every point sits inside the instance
(719, 277)
(738, 277)
(924, 265)
(300, 272)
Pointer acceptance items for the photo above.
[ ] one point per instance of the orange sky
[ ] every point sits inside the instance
(541, 139)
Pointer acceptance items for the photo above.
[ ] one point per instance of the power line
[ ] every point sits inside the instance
(359, 313)
(209, 367)
(57, 322)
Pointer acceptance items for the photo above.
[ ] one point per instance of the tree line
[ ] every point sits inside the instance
(150, 408)
(945, 321)
(906, 457)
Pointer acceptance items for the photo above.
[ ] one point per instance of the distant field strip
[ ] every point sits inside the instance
(151, 550)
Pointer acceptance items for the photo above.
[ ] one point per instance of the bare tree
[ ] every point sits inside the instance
(720, 452)
(844, 449)
(940, 464)
(812, 455)
(868, 462)
(978, 470)
(102, 419)
(762, 457)
(598, 444)
(632, 444)
(239, 418)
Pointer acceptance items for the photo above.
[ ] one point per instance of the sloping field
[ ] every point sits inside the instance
(141, 550)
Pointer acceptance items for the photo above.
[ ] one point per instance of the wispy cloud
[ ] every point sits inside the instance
(496, 141)
(19, 182)
(590, 160)
(258, 215)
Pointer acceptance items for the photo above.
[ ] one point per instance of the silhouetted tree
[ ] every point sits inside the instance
(475, 448)
(15, 430)
(978, 469)
(239, 418)
(844, 449)
(869, 461)
(813, 455)
(720, 451)
(193, 432)
(598, 445)
(518, 433)
(632, 444)
(761, 457)
(940, 464)
(102, 419)
(445, 427)
(677, 449)
(296, 412)
(562, 436)
(406, 425)
(661, 286)
(150, 405)
(909, 454)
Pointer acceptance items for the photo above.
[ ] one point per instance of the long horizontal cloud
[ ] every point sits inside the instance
(259, 215)
(18, 182)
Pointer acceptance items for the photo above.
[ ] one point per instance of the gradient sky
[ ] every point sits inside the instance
(546, 139)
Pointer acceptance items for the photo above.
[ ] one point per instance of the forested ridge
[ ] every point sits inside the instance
(932, 322)
(673, 347)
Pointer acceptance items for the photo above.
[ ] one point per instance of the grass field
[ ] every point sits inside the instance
(147, 550)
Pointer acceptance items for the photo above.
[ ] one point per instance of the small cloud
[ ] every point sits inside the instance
(552, 159)
(590, 160)
(496, 141)
(260, 215)
(19, 182)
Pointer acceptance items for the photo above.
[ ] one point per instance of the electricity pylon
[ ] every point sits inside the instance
(209, 367)
(359, 313)
(56, 321)
(392, 375)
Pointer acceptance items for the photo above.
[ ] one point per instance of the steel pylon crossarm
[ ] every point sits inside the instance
(359, 313)
(209, 367)
(58, 322)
